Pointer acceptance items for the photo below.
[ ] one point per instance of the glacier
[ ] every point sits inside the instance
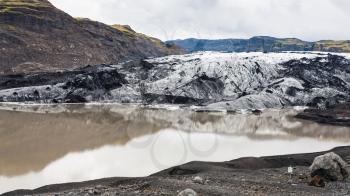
(211, 80)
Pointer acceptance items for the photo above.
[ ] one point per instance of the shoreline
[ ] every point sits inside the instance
(250, 175)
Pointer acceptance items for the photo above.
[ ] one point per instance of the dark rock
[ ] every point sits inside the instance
(198, 180)
(207, 87)
(317, 102)
(257, 112)
(105, 79)
(292, 91)
(146, 65)
(169, 99)
(73, 98)
(317, 181)
(337, 114)
(182, 171)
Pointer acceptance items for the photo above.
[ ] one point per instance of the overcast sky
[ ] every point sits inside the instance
(171, 19)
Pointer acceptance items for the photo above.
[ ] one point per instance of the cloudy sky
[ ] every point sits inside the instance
(172, 19)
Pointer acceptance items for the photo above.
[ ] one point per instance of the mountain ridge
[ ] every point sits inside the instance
(261, 44)
(36, 36)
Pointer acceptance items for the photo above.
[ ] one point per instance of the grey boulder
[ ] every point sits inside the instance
(330, 167)
(187, 192)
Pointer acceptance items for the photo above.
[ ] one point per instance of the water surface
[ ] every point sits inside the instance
(42, 145)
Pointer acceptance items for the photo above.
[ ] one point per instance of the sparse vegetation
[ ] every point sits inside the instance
(8, 27)
(28, 3)
(82, 19)
(291, 41)
(330, 45)
(20, 7)
(127, 30)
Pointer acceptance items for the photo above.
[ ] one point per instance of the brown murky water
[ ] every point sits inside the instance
(42, 145)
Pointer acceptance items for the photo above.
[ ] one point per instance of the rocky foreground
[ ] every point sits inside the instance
(328, 175)
(212, 80)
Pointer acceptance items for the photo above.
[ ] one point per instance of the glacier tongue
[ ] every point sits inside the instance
(251, 80)
(240, 72)
(215, 80)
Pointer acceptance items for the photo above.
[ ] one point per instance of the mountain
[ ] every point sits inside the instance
(261, 44)
(213, 80)
(36, 36)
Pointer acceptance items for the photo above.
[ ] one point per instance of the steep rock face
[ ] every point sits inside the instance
(36, 36)
(261, 44)
(217, 81)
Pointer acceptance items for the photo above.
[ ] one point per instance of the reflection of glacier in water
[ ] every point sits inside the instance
(42, 145)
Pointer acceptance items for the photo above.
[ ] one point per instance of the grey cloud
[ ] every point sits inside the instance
(171, 19)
